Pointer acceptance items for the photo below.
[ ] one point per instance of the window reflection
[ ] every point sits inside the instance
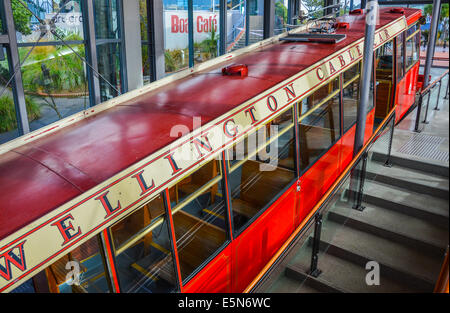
(199, 221)
(256, 179)
(143, 250)
(318, 96)
(319, 130)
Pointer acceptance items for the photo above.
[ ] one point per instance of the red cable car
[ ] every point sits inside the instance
(191, 184)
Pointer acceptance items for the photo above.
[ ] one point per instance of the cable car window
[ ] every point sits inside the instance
(412, 49)
(319, 130)
(257, 179)
(190, 184)
(351, 73)
(143, 250)
(384, 79)
(350, 97)
(242, 149)
(199, 220)
(91, 268)
(400, 56)
(318, 96)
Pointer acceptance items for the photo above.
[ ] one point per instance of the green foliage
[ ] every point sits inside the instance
(8, 112)
(21, 16)
(281, 11)
(428, 10)
(66, 70)
(174, 59)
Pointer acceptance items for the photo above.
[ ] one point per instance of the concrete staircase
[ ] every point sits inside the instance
(404, 228)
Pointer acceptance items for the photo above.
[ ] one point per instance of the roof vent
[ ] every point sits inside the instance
(238, 70)
(397, 10)
(318, 38)
(356, 12)
(341, 25)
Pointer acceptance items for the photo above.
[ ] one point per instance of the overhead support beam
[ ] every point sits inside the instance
(269, 18)
(371, 18)
(431, 41)
(223, 27)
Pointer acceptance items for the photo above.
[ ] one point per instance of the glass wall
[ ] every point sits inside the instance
(236, 24)
(281, 15)
(206, 30)
(256, 21)
(176, 35)
(53, 72)
(146, 45)
(108, 35)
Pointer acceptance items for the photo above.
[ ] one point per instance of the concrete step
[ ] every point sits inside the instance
(409, 179)
(340, 275)
(398, 260)
(394, 226)
(285, 284)
(411, 203)
(413, 164)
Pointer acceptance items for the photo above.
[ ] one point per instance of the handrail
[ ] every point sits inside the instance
(422, 94)
(432, 84)
(442, 282)
(318, 206)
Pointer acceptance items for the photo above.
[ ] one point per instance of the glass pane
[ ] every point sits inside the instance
(146, 264)
(109, 66)
(150, 213)
(106, 19)
(206, 30)
(409, 52)
(145, 43)
(256, 12)
(54, 82)
(384, 76)
(257, 182)
(194, 182)
(236, 24)
(352, 72)
(26, 287)
(400, 56)
(200, 226)
(315, 98)
(176, 35)
(8, 119)
(281, 14)
(318, 131)
(416, 52)
(88, 260)
(66, 14)
(350, 96)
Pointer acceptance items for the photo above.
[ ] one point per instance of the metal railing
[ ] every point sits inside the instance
(353, 177)
(422, 111)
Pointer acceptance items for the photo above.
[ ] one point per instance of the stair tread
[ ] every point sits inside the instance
(347, 276)
(286, 284)
(410, 175)
(394, 221)
(383, 251)
(409, 198)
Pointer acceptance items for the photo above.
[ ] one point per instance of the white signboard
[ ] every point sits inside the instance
(177, 30)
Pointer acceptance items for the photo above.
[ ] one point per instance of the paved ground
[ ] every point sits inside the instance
(432, 143)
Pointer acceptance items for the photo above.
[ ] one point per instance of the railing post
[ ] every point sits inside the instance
(362, 177)
(419, 110)
(439, 93)
(428, 103)
(388, 162)
(314, 271)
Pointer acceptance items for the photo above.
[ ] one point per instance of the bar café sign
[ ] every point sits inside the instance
(177, 29)
(42, 242)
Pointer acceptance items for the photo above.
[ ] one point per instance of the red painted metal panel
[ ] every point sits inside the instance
(216, 277)
(255, 246)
